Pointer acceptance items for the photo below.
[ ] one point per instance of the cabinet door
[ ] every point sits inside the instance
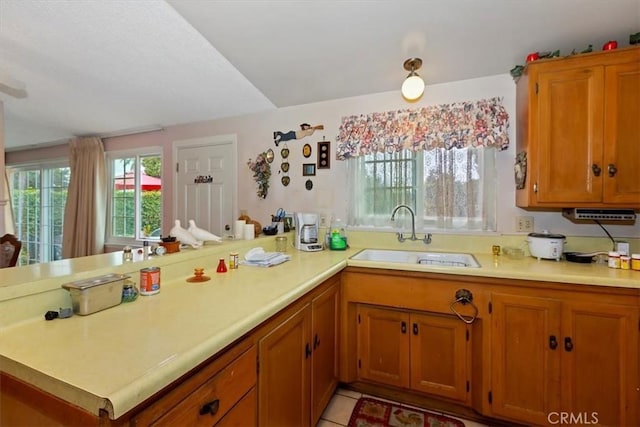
(600, 362)
(383, 346)
(439, 355)
(324, 361)
(283, 376)
(570, 131)
(525, 367)
(622, 133)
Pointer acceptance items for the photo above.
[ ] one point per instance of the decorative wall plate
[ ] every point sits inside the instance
(306, 150)
(285, 180)
(308, 185)
(520, 170)
(284, 166)
(270, 155)
(284, 152)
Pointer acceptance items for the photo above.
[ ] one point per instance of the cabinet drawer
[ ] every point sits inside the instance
(220, 394)
(244, 414)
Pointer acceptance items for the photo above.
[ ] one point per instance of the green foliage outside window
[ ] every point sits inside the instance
(123, 220)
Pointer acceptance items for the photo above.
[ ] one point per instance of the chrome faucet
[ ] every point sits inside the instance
(401, 238)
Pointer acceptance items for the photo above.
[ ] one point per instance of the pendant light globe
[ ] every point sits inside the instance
(413, 85)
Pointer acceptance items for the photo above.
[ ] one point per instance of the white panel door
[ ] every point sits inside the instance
(205, 184)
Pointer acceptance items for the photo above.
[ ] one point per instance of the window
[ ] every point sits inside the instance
(135, 197)
(38, 197)
(449, 189)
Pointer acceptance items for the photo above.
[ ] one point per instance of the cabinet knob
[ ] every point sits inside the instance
(210, 407)
(403, 327)
(553, 342)
(415, 329)
(316, 341)
(568, 344)
(596, 169)
(612, 169)
(307, 351)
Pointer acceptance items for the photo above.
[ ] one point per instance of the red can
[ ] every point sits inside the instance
(150, 281)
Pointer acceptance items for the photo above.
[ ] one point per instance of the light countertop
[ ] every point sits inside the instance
(116, 358)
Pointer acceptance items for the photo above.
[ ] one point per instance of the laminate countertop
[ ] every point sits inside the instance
(116, 358)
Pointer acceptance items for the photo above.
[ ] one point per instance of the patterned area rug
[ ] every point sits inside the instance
(377, 413)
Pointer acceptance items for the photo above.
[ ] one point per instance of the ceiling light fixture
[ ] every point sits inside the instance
(413, 86)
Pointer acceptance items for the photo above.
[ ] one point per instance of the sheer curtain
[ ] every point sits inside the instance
(439, 160)
(9, 223)
(85, 212)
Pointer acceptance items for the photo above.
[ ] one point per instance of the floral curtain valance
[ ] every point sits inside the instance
(482, 123)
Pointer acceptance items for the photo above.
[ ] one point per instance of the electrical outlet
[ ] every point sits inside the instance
(524, 224)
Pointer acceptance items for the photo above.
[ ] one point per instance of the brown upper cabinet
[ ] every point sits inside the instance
(578, 124)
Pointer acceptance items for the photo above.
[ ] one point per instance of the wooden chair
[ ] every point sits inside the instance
(9, 250)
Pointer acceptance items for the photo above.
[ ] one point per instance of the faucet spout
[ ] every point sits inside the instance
(413, 221)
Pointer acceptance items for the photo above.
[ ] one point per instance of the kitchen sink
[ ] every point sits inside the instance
(447, 259)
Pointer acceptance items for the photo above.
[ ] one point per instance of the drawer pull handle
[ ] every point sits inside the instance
(210, 408)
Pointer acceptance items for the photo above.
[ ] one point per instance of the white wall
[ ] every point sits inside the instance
(329, 196)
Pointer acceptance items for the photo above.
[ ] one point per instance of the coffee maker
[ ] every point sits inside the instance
(307, 232)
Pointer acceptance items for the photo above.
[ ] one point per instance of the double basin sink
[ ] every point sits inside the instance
(445, 259)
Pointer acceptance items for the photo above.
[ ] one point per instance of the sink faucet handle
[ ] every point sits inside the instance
(427, 239)
(400, 237)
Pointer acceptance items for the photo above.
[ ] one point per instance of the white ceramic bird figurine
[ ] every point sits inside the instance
(202, 234)
(184, 236)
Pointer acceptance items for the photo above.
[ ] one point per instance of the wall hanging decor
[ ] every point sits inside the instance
(308, 169)
(284, 166)
(308, 184)
(261, 174)
(305, 130)
(306, 150)
(482, 123)
(324, 159)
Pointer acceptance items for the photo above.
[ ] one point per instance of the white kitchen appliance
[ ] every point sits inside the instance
(307, 227)
(546, 245)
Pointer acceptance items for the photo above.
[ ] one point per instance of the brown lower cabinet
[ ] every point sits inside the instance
(414, 350)
(298, 363)
(571, 356)
(540, 353)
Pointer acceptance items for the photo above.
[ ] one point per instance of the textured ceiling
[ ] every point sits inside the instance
(96, 67)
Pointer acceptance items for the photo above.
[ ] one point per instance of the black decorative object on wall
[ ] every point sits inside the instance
(324, 157)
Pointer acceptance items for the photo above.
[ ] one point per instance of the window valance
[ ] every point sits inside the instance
(482, 123)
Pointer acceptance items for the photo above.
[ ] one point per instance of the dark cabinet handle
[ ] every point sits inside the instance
(316, 341)
(403, 327)
(307, 351)
(612, 169)
(568, 345)
(596, 169)
(415, 329)
(210, 408)
(553, 342)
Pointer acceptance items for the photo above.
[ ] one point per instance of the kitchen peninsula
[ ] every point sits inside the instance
(116, 364)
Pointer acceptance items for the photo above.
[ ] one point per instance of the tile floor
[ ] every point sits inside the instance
(342, 403)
